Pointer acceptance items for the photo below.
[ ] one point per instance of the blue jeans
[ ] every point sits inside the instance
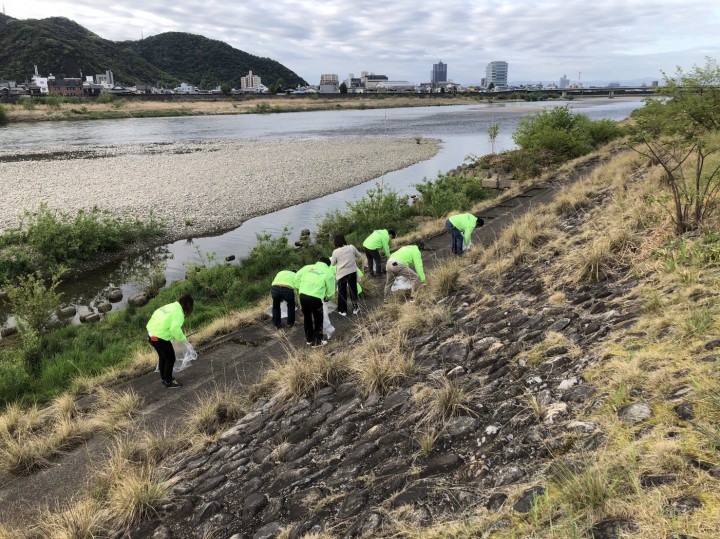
(280, 294)
(457, 238)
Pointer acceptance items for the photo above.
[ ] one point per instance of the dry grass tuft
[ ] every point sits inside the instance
(135, 494)
(229, 323)
(414, 318)
(445, 278)
(304, 372)
(17, 422)
(84, 519)
(215, 410)
(522, 238)
(553, 342)
(25, 456)
(426, 439)
(114, 407)
(379, 363)
(443, 399)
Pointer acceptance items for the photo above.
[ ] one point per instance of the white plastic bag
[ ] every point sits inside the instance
(328, 328)
(184, 354)
(283, 310)
(401, 283)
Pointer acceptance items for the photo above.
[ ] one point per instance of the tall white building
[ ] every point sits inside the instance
(250, 83)
(496, 73)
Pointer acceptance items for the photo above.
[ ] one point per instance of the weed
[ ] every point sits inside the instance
(135, 495)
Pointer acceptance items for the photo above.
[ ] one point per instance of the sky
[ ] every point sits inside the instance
(589, 41)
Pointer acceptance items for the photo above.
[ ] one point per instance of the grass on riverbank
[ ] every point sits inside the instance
(38, 110)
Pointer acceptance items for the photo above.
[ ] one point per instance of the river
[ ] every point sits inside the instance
(462, 129)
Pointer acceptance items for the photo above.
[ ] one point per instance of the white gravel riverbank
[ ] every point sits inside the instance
(197, 187)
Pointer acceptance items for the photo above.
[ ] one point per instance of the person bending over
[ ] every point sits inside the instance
(164, 325)
(315, 283)
(379, 239)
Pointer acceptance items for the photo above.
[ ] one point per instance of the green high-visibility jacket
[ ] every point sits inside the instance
(286, 278)
(465, 223)
(410, 256)
(316, 280)
(166, 322)
(380, 239)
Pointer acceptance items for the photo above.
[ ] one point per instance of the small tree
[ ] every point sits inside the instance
(343, 88)
(493, 131)
(225, 89)
(681, 134)
(33, 303)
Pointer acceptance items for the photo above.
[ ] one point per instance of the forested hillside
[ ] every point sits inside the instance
(64, 48)
(208, 62)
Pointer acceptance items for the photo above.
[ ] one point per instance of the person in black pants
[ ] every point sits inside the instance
(315, 283)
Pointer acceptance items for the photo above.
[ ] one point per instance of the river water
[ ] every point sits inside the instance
(462, 129)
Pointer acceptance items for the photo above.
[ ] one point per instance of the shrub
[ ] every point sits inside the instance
(18, 260)
(558, 135)
(382, 207)
(3, 115)
(33, 302)
(62, 237)
(450, 192)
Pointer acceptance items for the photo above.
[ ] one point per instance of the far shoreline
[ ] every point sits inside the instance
(83, 109)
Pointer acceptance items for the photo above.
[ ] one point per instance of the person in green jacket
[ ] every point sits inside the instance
(461, 227)
(283, 289)
(399, 265)
(315, 283)
(164, 325)
(379, 239)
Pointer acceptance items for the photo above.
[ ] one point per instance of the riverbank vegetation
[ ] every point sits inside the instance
(47, 239)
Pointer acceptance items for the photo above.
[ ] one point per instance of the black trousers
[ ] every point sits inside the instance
(312, 309)
(166, 358)
(374, 261)
(349, 280)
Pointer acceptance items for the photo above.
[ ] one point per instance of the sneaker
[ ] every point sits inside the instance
(342, 314)
(172, 384)
(356, 310)
(411, 300)
(308, 342)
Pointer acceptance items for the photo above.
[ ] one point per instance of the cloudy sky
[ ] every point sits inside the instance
(600, 41)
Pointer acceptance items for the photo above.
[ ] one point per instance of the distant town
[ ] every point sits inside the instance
(495, 80)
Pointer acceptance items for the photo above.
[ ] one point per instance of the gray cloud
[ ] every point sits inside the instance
(541, 39)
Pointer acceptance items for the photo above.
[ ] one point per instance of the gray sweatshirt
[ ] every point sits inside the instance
(345, 258)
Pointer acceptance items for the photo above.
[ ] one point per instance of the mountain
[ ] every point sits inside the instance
(64, 48)
(208, 62)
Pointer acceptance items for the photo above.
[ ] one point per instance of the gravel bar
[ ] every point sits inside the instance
(197, 187)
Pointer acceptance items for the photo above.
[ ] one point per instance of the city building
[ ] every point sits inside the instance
(329, 84)
(496, 74)
(439, 73)
(564, 82)
(107, 79)
(250, 83)
(66, 87)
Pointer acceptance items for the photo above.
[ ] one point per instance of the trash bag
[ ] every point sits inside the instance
(184, 354)
(283, 310)
(328, 328)
(401, 283)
